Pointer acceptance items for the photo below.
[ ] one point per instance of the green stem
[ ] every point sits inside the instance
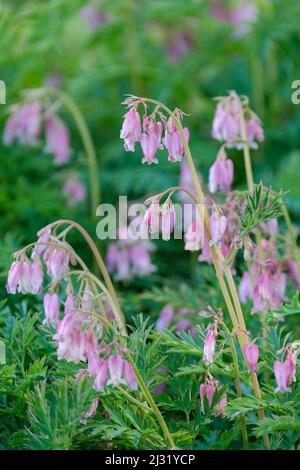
(87, 143)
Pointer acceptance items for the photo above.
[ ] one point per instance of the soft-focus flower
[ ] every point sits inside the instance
(168, 218)
(152, 217)
(74, 191)
(151, 140)
(194, 236)
(91, 411)
(57, 261)
(173, 141)
(165, 318)
(179, 46)
(101, 375)
(251, 353)
(210, 344)
(130, 377)
(240, 17)
(218, 224)
(207, 392)
(57, 140)
(115, 367)
(283, 375)
(220, 406)
(292, 269)
(51, 308)
(131, 129)
(24, 124)
(221, 173)
(245, 288)
(93, 16)
(141, 264)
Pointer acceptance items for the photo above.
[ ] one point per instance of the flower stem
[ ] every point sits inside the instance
(87, 143)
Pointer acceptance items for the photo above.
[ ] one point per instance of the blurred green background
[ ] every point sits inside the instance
(181, 52)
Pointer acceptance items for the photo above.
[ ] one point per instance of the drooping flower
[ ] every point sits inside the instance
(115, 367)
(101, 375)
(168, 219)
(173, 141)
(74, 191)
(24, 124)
(57, 261)
(210, 344)
(221, 173)
(194, 236)
(218, 224)
(141, 264)
(57, 140)
(220, 406)
(24, 277)
(151, 140)
(165, 318)
(130, 377)
(131, 129)
(251, 353)
(207, 392)
(245, 288)
(283, 375)
(51, 308)
(255, 132)
(152, 217)
(36, 277)
(91, 411)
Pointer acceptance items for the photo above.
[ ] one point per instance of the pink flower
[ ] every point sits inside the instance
(92, 16)
(245, 288)
(74, 190)
(210, 344)
(24, 124)
(194, 236)
(101, 375)
(255, 132)
(179, 46)
(165, 318)
(73, 347)
(207, 392)
(44, 237)
(218, 224)
(292, 269)
(141, 261)
(57, 261)
(152, 217)
(173, 141)
(221, 174)
(251, 353)
(168, 219)
(51, 308)
(91, 411)
(115, 366)
(57, 140)
(225, 126)
(220, 406)
(151, 140)
(131, 129)
(130, 377)
(283, 375)
(36, 272)
(186, 181)
(14, 277)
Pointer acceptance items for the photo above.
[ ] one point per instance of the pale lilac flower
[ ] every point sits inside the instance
(165, 318)
(151, 140)
(251, 353)
(24, 124)
(131, 129)
(51, 309)
(218, 224)
(57, 261)
(74, 191)
(194, 236)
(73, 347)
(186, 181)
(206, 391)
(152, 217)
(36, 275)
(221, 173)
(93, 16)
(179, 46)
(262, 295)
(141, 261)
(57, 140)
(130, 377)
(225, 126)
(173, 141)
(91, 411)
(210, 344)
(101, 376)
(220, 406)
(44, 237)
(255, 132)
(283, 375)
(14, 277)
(115, 367)
(292, 269)
(245, 288)
(168, 219)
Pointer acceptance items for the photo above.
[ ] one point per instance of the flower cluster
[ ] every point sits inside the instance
(149, 132)
(227, 122)
(181, 317)
(26, 123)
